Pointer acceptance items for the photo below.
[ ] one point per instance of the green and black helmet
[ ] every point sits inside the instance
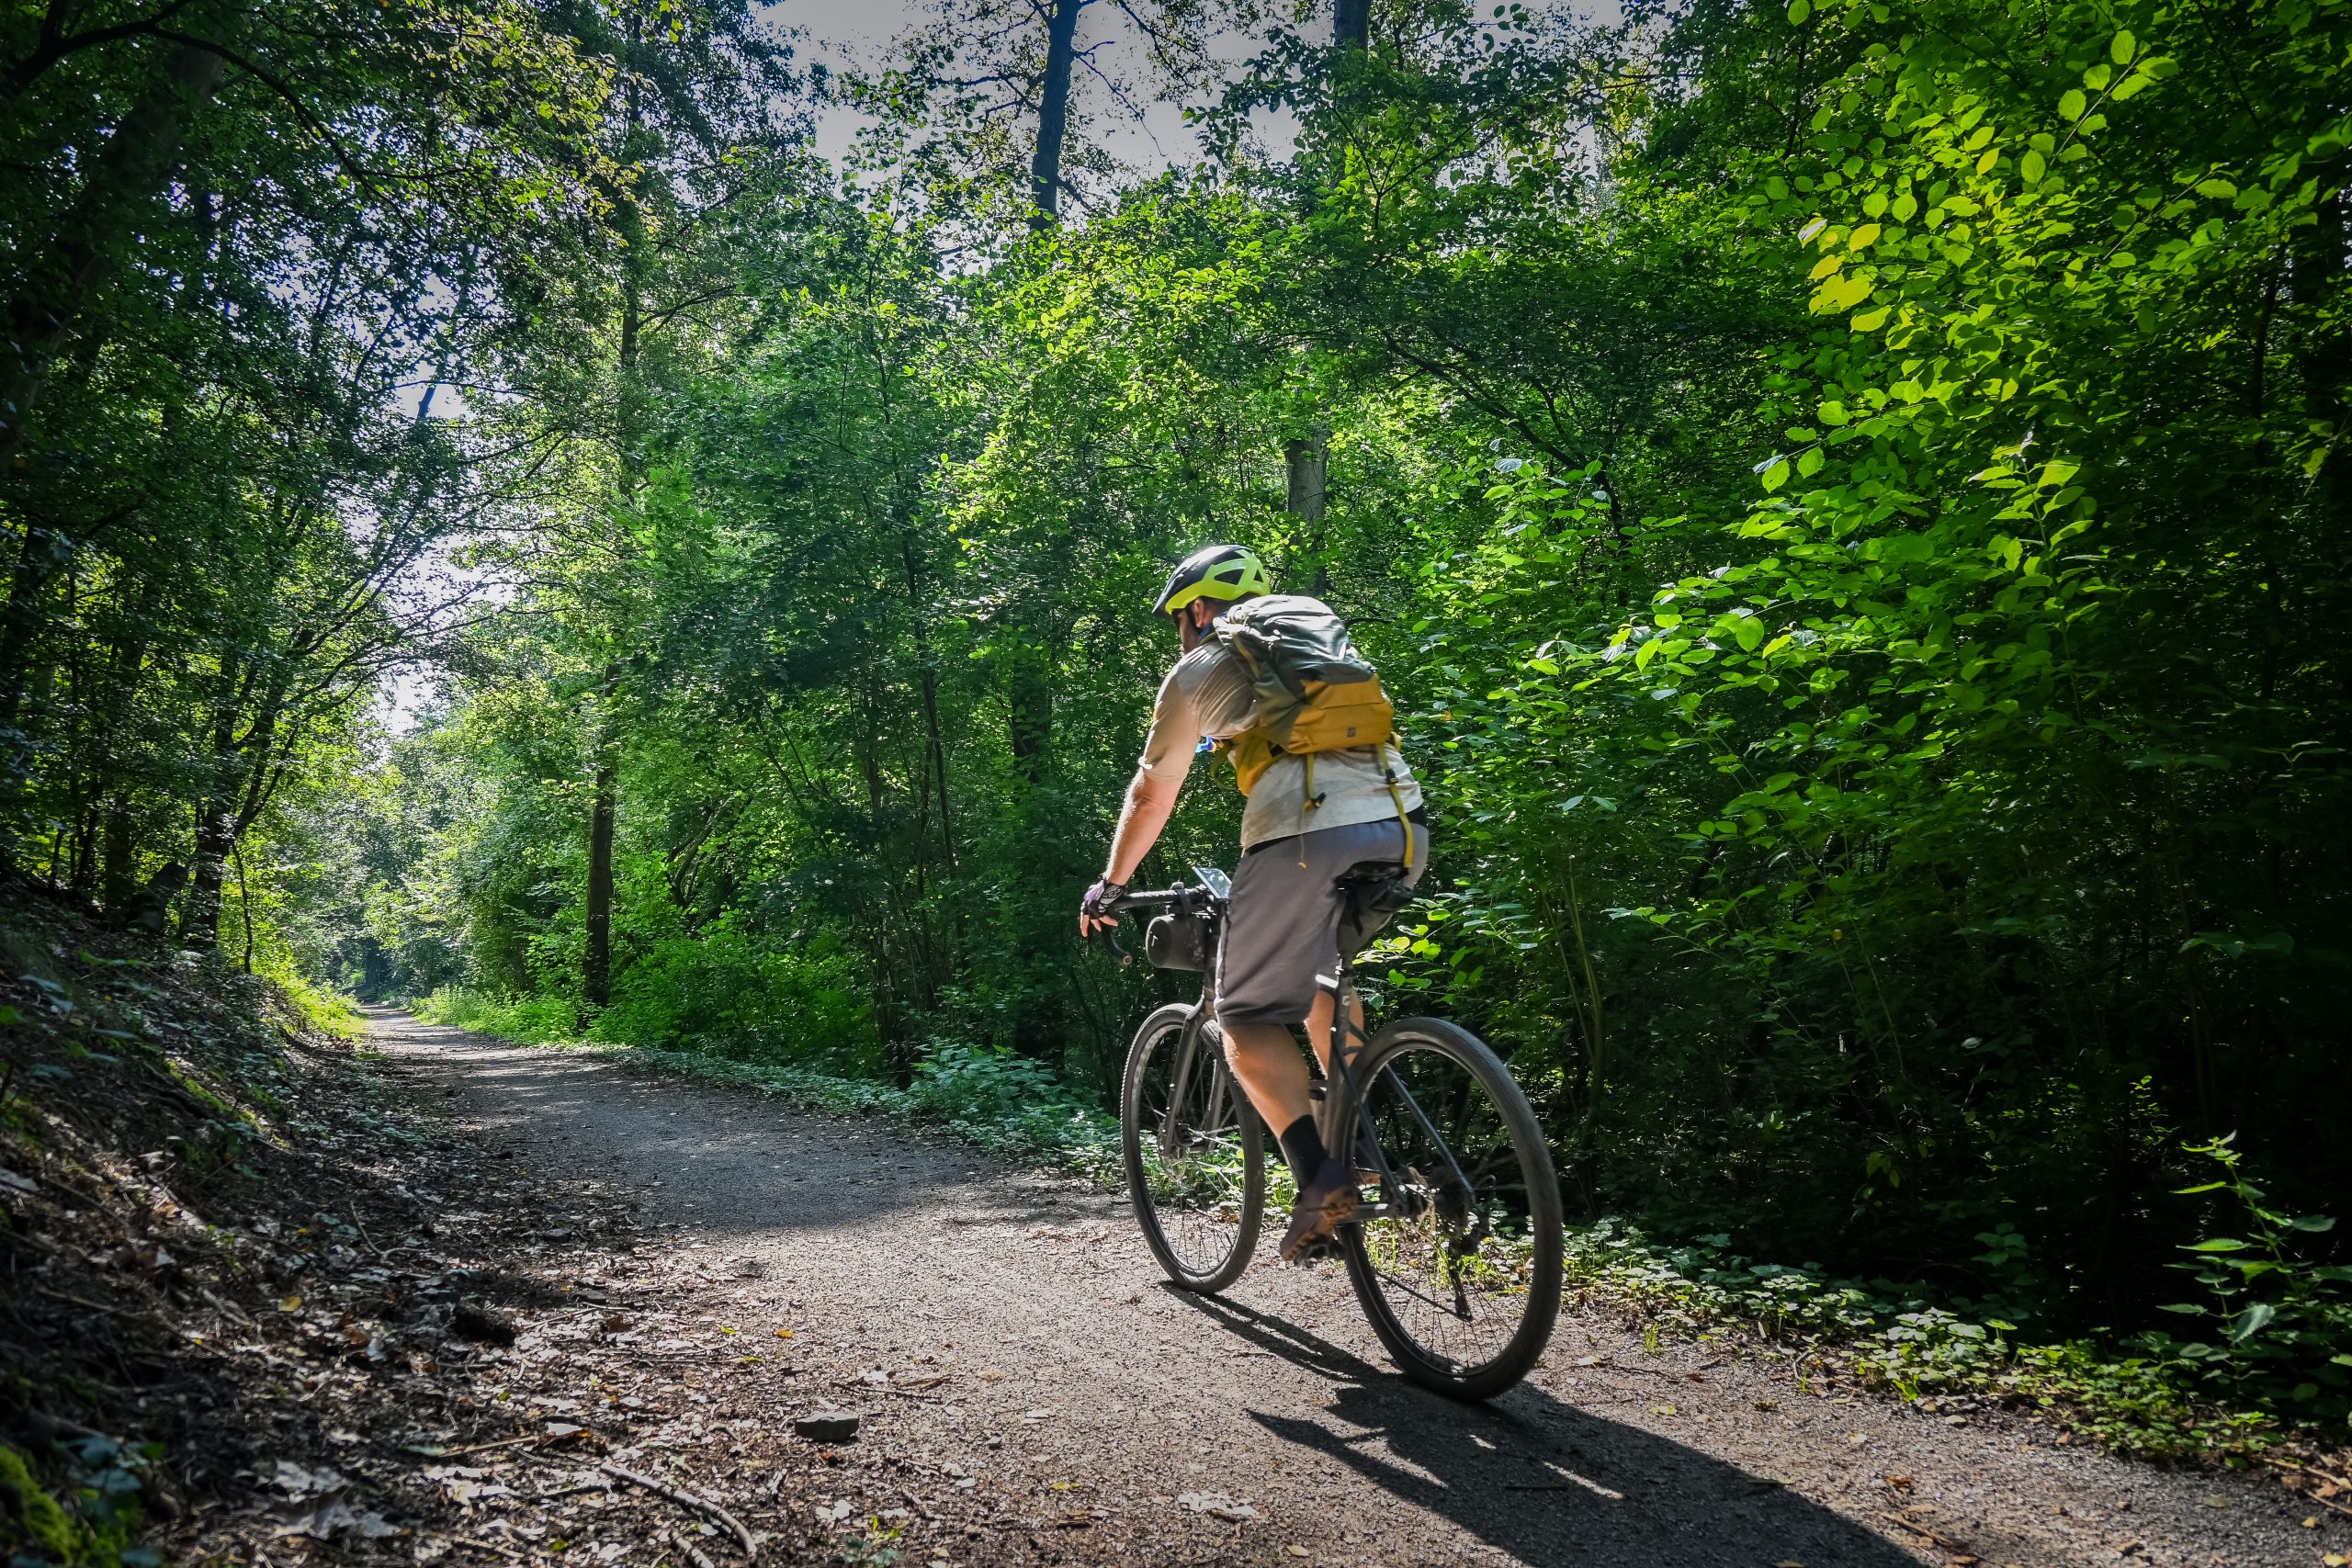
(1215, 571)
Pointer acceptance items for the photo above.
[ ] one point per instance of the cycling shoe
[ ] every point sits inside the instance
(1326, 1203)
(1328, 1250)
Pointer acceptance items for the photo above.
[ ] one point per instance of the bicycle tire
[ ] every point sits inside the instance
(1536, 1278)
(1204, 1247)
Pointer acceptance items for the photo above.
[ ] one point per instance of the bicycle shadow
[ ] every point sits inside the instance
(1541, 1478)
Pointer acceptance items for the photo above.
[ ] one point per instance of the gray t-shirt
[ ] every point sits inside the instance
(1209, 695)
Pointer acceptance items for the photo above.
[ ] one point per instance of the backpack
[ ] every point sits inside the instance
(1315, 693)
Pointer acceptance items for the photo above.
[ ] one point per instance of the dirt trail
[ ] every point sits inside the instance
(1076, 1382)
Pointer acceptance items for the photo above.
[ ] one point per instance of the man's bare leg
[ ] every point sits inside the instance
(1318, 1024)
(1266, 1058)
(1273, 1071)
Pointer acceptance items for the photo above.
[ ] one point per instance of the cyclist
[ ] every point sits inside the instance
(1317, 810)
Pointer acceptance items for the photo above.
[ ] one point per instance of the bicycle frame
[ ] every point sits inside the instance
(1345, 1041)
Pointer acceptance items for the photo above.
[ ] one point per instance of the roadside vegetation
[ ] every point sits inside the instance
(1849, 495)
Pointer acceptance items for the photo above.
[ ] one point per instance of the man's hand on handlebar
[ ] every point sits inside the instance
(1094, 909)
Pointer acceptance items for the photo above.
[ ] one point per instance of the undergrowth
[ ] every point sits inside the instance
(99, 1519)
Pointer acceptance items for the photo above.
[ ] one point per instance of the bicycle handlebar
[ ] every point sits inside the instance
(1155, 898)
(1178, 897)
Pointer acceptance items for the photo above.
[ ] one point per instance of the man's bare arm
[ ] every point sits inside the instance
(1150, 802)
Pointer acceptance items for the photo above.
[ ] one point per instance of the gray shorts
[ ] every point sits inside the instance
(1282, 928)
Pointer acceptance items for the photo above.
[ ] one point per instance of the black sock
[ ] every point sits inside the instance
(1302, 1147)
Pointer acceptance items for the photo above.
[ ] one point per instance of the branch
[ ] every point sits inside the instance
(372, 180)
(56, 46)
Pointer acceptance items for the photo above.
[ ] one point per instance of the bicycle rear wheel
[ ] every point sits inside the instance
(1195, 1153)
(1460, 1277)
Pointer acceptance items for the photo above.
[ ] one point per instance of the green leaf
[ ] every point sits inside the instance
(2186, 1309)
(2032, 168)
(1777, 475)
(2124, 47)
(2070, 104)
(2217, 187)
(1798, 11)
(2315, 1222)
(2219, 1244)
(2251, 1322)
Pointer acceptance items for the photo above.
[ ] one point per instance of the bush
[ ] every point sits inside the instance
(720, 992)
(532, 1021)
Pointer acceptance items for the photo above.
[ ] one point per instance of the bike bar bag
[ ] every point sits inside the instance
(1178, 941)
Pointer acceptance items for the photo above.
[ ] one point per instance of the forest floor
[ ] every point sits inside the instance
(704, 1267)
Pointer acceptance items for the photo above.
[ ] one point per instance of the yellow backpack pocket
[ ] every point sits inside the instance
(1336, 717)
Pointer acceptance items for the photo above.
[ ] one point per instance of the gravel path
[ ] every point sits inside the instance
(1264, 1426)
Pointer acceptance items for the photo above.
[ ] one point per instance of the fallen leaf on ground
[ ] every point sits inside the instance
(1216, 1505)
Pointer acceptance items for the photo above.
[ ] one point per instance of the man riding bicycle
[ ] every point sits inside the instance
(1273, 681)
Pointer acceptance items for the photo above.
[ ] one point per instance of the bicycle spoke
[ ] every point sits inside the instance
(1194, 1157)
(1452, 1260)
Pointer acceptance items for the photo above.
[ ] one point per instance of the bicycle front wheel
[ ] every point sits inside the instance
(1194, 1152)
(1459, 1267)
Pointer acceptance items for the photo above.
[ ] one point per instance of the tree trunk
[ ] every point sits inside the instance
(240, 787)
(629, 429)
(1306, 461)
(200, 921)
(1053, 113)
(937, 744)
(597, 965)
(1352, 24)
(117, 859)
(43, 551)
(94, 235)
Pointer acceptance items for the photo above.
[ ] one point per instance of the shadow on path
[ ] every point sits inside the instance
(1539, 1478)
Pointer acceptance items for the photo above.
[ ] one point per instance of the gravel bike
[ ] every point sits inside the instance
(1455, 1251)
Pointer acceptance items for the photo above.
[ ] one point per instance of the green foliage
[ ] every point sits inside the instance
(2279, 1324)
(717, 991)
(100, 1517)
(37, 1526)
(1845, 495)
(532, 1021)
